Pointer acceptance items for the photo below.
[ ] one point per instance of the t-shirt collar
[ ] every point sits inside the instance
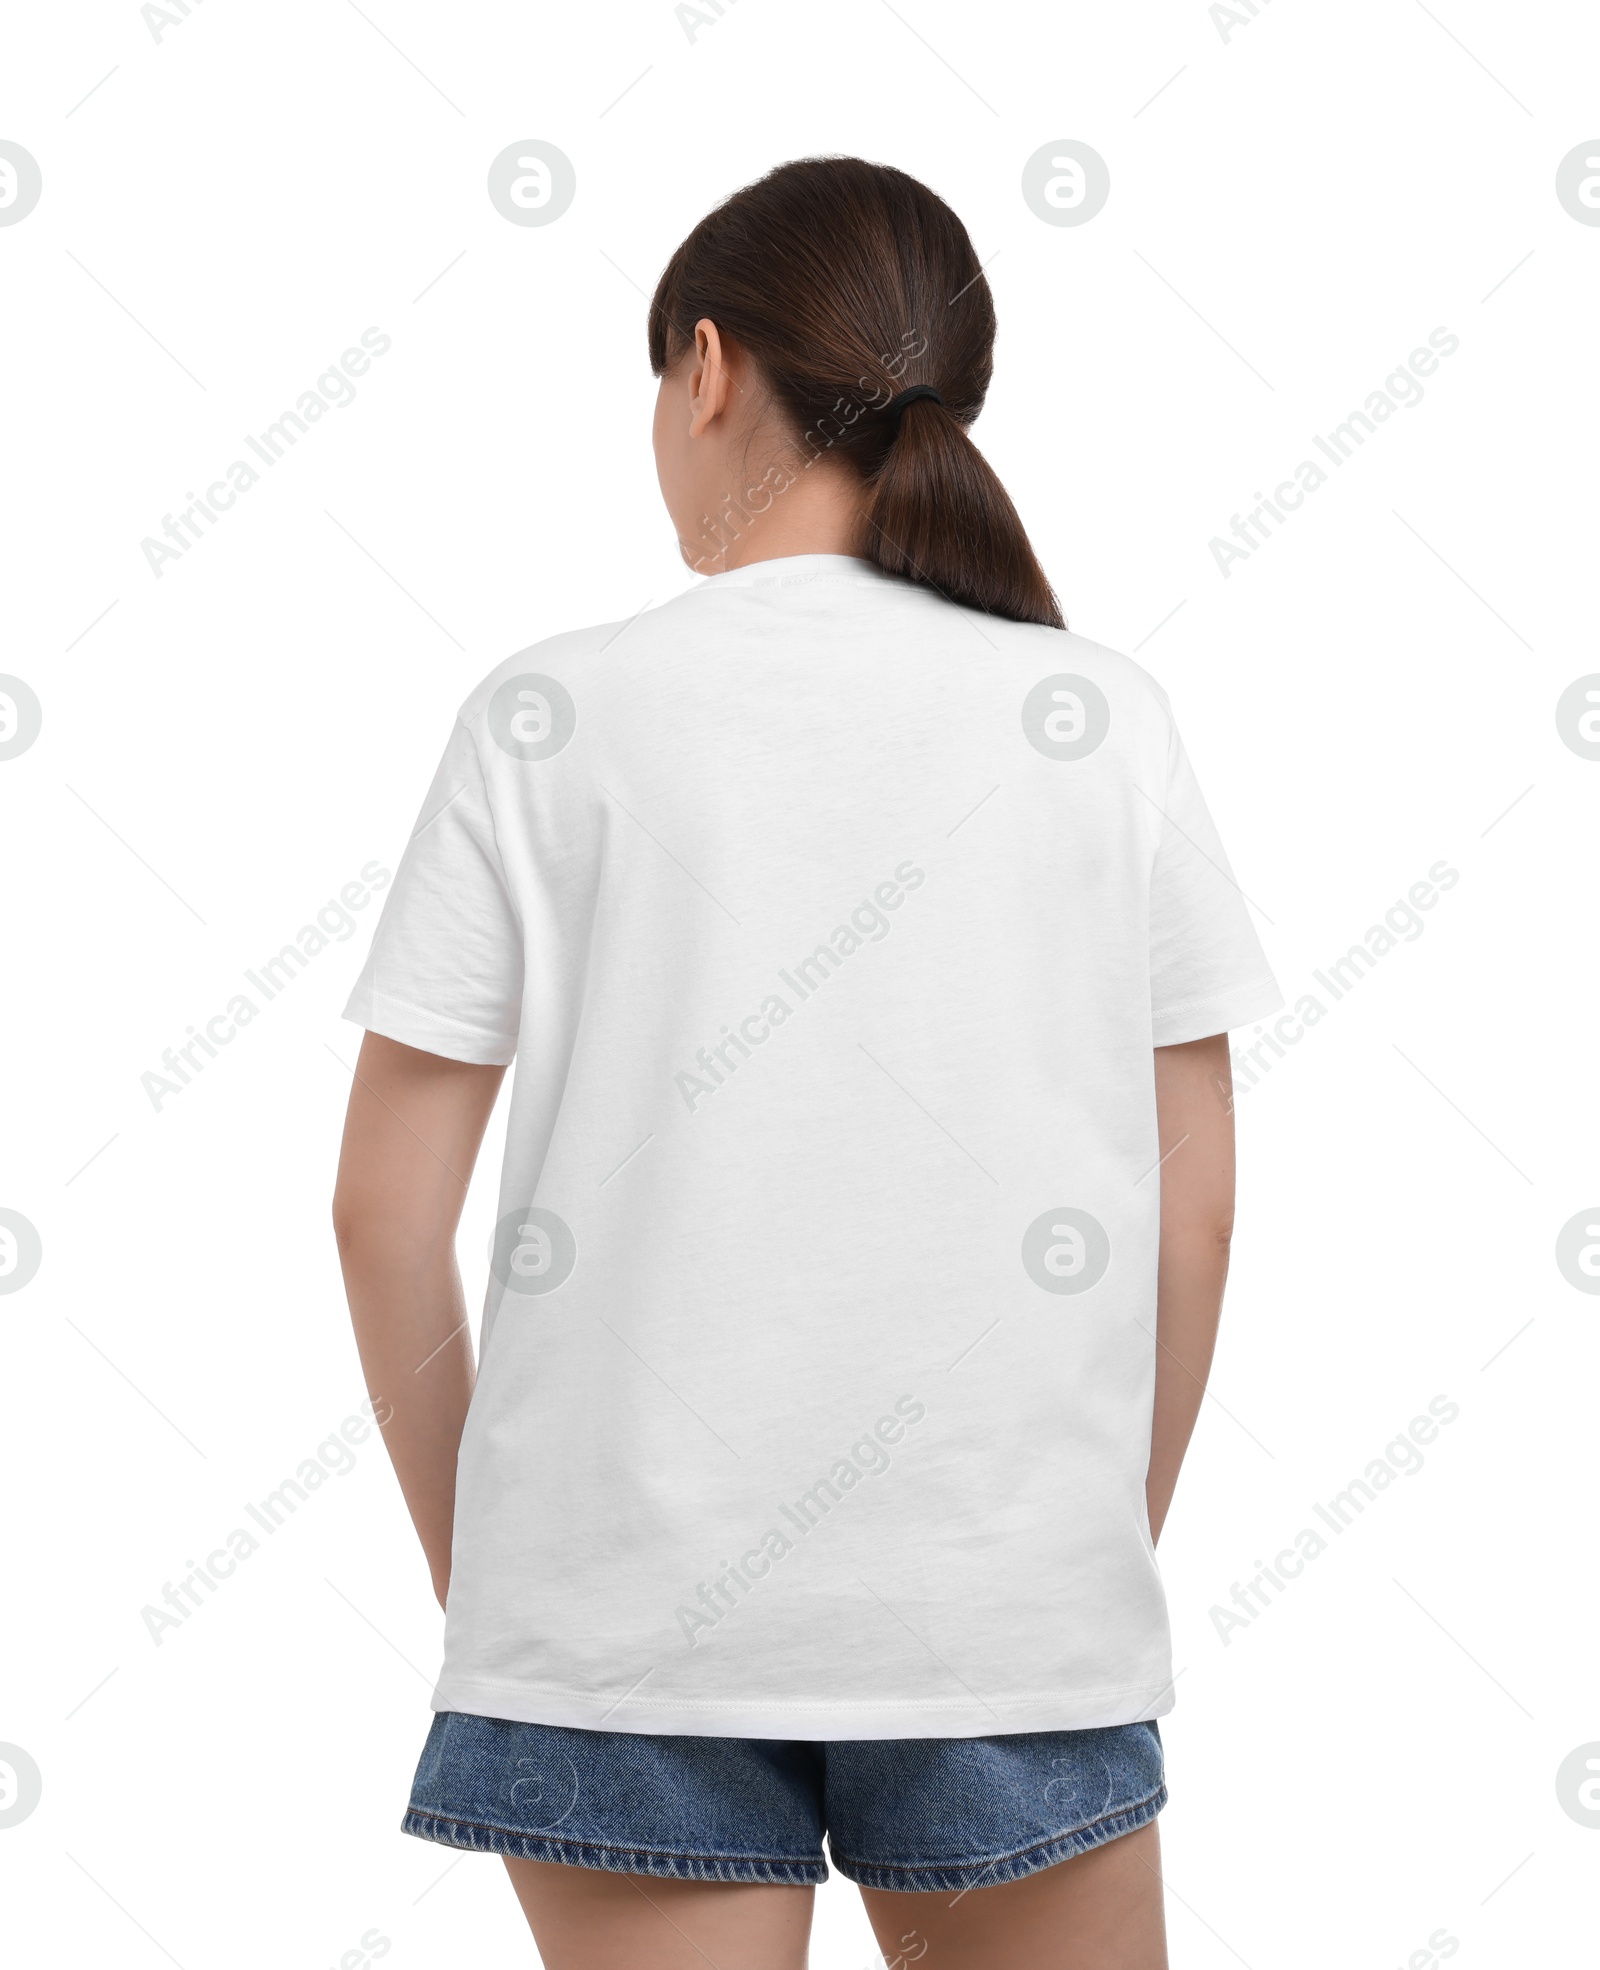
(796, 568)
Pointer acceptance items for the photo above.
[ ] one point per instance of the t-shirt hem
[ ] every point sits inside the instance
(1221, 1011)
(818, 1720)
(429, 1032)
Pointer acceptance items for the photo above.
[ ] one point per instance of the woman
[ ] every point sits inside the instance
(868, 956)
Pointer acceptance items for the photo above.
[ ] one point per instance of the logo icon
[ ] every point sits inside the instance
(543, 1786)
(1578, 182)
(534, 1251)
(21, 1786)
(20, 717)
(1577, 716)
(1066, 1251)
(20, 1251)
(1578, 1251)
(532, 717)
(20, 182)
(1065, 717)
(1577, 1784)
(1066, 183)
(532, 183)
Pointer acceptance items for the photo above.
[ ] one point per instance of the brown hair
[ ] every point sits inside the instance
(846, 283)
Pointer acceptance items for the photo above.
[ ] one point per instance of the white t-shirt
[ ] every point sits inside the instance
(830, 926)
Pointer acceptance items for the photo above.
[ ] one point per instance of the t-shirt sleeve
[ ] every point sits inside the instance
(445, 970)
(1208, 973)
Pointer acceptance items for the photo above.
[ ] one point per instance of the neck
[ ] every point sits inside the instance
(811, 508)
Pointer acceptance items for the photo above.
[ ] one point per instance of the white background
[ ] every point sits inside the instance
(1374, 1757)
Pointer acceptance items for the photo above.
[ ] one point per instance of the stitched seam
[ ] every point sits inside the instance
(381, 997)
(1207, 998)
(803, 581)
(824, 1704)
(996, 1860)
(606, 1847)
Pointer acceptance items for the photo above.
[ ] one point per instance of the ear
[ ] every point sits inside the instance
(711, 388)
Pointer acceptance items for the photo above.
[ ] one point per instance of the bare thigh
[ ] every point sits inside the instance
(585, 1918)
(1100, 1911)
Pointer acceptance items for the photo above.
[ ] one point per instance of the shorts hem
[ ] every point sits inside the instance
(476, 1837)
(919, 1878)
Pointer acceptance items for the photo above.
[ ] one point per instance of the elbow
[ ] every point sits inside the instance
(383, 1235)
(346, 1221)
(360, 1229)
(354, 1206)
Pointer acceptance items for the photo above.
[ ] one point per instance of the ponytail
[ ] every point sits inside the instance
(847, 283)
(939, 515)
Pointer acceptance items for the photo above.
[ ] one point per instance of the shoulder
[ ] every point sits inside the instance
(559, 666)
(559, 659)
(1045, 653)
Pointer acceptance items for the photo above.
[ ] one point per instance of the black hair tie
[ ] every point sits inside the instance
(896, 405)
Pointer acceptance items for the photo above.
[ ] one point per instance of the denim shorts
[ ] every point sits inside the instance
(907, 1814)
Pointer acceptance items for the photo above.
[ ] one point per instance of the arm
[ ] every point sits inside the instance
(1194, 1119)
(411, 1137)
